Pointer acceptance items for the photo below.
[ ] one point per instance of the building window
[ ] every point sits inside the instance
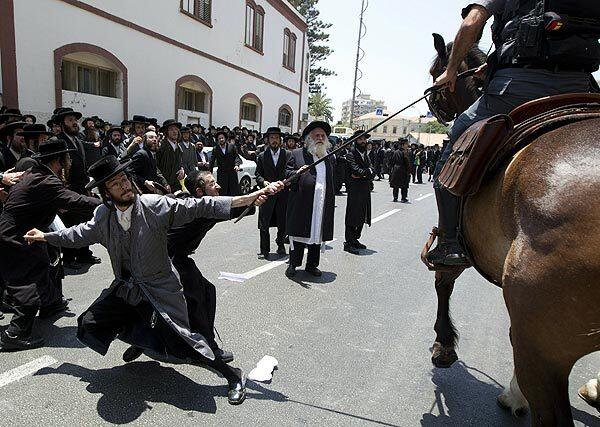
(385, 129)
(192, 100)
(198, 9)
(285, 117)
(395, 129)
(255, 23)
(249, 112)
(90, 79)
(289, 50)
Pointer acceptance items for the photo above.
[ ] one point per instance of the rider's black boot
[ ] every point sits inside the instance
(448, 251)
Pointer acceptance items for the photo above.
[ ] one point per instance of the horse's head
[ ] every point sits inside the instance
(446, 105)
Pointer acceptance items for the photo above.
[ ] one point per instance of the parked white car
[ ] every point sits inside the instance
(246, 176)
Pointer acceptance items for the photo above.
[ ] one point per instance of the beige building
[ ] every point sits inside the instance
(427, 139)
(398, 127)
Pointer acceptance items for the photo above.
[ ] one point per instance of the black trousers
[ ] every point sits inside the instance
(420, 175)
(265, 238)
(21, 324)
(312, 259)
(353, 233)
(404, 193)
(110, 317)
(201, 297)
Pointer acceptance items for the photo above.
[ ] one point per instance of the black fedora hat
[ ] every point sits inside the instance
(170, 122)
(317, 124)
(34, 130)
(66, 111)
(361, 133)
(273, 131)
(52, 147)
(291, 136)
(185, 129)
(33, 118)
(139, 119)
(115, 129)
(104, 169)
(11, 127)
(125, 123)
(11, 114)
(223, 132)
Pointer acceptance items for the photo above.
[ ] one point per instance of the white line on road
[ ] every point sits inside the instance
(384, 216)
(424, 197)
(26, 369)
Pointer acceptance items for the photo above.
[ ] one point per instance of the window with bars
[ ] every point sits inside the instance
(285, 117)
(255, 23)
(191, 100)
(90, 79)
(249, 112)
(395, 129)
(199, 9)
(289, 49)
(385, 129)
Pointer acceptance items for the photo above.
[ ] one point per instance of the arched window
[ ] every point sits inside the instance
(255, 26)
(91, 80)
(285, 117)
(251, 111)
(289, 50)
(197, 9)
(193, 100)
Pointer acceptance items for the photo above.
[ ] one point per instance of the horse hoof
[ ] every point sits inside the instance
(517, 412)
(588, 395)
(443, 357)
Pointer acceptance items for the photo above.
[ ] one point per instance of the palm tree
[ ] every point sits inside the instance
(320, 106)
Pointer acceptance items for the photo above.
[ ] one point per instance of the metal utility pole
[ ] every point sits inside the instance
(359, 52)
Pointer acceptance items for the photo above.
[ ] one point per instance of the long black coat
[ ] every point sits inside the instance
(399, 169)
(78, 177)
(144, 168)
(302, 191)
(273, 212)
(227, 177)
(358, 187)
(33, 203)
(169, 162)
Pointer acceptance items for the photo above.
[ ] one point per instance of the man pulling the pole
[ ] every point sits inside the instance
(145, 305)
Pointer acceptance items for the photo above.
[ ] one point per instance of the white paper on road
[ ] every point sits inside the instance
(27, 369)
(232, 277)
(264, 369)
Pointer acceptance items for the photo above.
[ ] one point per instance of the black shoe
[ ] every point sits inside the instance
(395, 200)
(449, 254)
(51, 310)
(265, 255)
(404, 201)
(351, 249)
(89, 259)
(237, 390)
(132, 353)
(72, 265)
(224, 355)
(8, 343)
(290, 271)
(313, 271)
(281, 250)
(358, 245)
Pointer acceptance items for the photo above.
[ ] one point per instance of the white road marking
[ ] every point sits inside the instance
(384, 216)
(424, 197)
(27, 369)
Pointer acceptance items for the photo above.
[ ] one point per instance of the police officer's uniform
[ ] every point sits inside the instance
(510, 86)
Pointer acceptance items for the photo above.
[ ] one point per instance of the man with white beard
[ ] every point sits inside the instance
(311, 202)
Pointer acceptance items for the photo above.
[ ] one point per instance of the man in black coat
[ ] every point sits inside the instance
(144, 167)
(358, 188)
(169, 154)
(270, 167)
(311, 201)
(16, 146)
(225, 157)
(134, 142)
(34, 203)
(114, 144)
(76, 181)
(399, 165)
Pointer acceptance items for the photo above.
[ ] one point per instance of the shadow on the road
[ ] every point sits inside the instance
(58, 336)
(129, 390)
(305, 280)
(585, 418)
(83, 270)
(366, 252)
(462, 399)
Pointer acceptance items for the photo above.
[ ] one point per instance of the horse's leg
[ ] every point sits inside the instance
(591, 392)
(512, 398)
(443, 352)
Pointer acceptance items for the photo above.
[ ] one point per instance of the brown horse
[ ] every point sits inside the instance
(534, 228)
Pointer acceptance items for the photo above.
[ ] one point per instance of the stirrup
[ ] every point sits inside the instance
(438, 267)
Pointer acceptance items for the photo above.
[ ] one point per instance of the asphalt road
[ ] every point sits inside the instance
(353, 347)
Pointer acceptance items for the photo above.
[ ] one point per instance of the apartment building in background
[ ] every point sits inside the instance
(214, 62)
(363, 104)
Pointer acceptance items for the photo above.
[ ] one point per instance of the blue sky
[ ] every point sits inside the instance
(398, 45)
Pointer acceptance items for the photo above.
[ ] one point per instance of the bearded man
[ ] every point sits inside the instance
(188, 151)
(146, 173)
(134, 142)
(226, 157)
(169, 154)
(145, 305)
(311, 203)
(115, 145)
(16, 146)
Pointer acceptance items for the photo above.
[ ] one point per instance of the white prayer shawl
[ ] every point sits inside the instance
(316, 226)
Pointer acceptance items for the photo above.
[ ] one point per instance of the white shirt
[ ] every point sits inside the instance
(173, 145)
(224, 149)
(275, 155)
(124, 218)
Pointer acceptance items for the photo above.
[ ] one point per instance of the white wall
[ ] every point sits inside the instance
(153, 65)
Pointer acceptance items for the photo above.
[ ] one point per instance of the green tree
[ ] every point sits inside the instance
(318, 40)
(434, 127)
(320, 106)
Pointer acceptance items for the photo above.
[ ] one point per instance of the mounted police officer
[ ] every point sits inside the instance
(516, 73)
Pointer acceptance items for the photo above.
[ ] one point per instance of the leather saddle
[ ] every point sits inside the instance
(490, 143)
